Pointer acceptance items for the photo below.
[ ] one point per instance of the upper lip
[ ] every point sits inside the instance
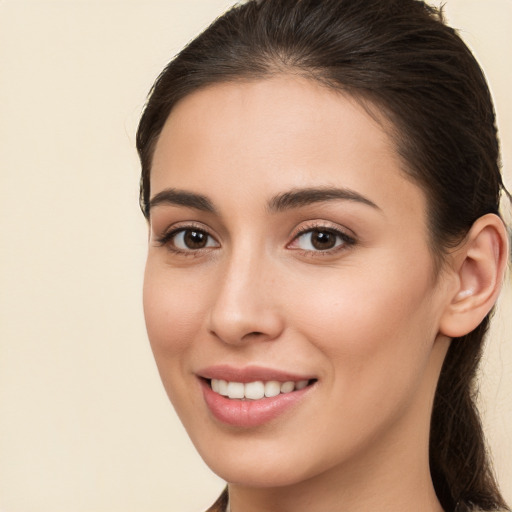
(250, 374)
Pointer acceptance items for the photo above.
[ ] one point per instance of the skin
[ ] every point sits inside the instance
(364, 318)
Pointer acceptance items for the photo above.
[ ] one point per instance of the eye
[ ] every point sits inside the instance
(188, 240)
(192, 239)
(321, 239)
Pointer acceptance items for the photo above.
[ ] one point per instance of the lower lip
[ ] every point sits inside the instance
(250, 413)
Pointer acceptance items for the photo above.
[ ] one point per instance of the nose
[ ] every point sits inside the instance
(245, 306)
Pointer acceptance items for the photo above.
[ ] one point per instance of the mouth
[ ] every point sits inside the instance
(251, 397)
(257, 389)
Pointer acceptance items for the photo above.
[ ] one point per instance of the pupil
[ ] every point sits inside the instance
(195, 239)
(323, 240)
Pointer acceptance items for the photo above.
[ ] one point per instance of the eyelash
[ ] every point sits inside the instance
(167, 238)
(346, 240)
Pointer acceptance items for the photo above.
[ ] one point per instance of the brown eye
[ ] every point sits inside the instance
(192, 240)
(322, 240)
(195, 239)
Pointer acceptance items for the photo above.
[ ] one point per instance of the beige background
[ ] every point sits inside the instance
(84, 422)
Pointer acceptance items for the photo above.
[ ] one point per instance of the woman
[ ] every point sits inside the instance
(322, 186)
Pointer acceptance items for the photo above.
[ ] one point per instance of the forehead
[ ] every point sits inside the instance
(279, 133)
(275, 111)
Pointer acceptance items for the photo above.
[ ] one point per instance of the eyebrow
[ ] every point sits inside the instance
(297, 198)
(175, 197)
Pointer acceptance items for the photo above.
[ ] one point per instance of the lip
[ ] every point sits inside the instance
(250, 374)
(250, 413)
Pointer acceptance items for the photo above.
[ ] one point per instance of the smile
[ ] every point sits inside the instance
(254, 396)
(255, 390)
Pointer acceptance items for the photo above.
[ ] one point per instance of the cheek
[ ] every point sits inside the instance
(372, 329)
(172, 311)
(376, 342)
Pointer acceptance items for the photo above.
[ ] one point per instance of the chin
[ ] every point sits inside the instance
(266, 465)
(257, 475)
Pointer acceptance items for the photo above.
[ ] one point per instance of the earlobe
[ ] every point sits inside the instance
(479, 264)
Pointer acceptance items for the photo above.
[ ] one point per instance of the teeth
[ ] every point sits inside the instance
(236, 390)
(286, 387)
(301, 384)
(272, 388)
(222, 387)
(255, 390)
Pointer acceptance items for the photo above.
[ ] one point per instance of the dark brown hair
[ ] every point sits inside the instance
(399, 56)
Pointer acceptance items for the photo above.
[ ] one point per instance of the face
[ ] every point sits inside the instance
(289, 257)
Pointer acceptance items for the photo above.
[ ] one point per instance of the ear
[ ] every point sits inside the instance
(478, 266)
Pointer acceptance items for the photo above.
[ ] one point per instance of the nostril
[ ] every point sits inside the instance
(253, 334)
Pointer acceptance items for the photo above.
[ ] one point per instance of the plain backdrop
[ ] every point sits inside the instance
(85, 425)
